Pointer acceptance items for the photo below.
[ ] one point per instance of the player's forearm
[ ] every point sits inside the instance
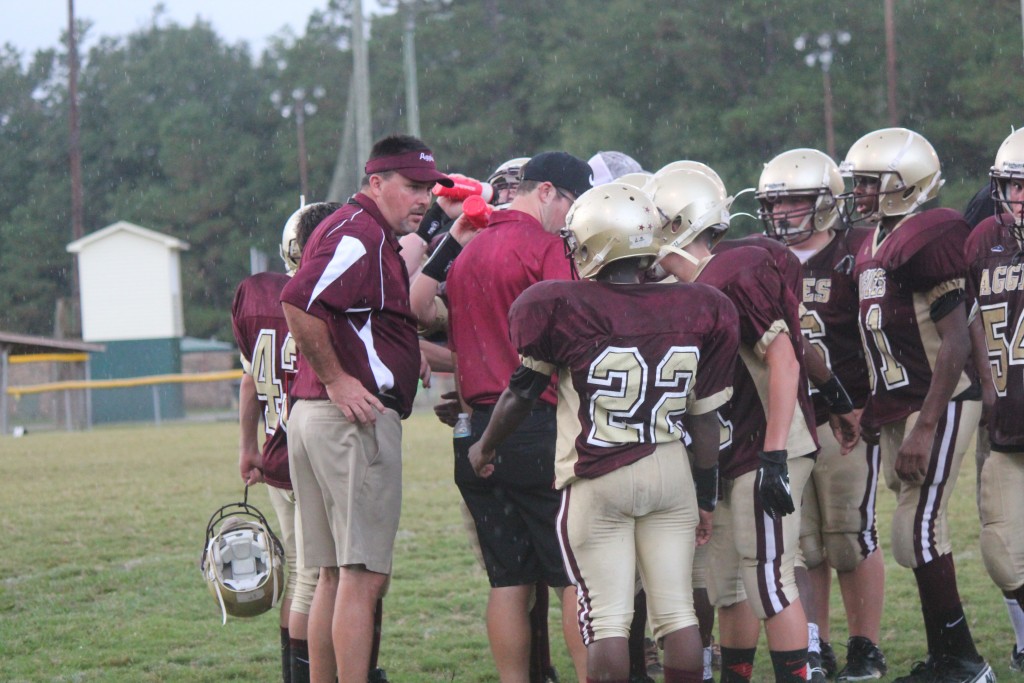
(509, 412)
(704, 431)
(248, 415)
(314, 343)
(422, 295)
(979, 353)
(439, 358)
(817, 369)
(783, 384)
(949, 365)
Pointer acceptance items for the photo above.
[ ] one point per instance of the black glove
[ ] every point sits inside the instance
(773, 484)
(706, 483)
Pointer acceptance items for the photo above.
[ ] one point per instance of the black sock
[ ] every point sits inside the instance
(300, 661)
(637, 631)
(540, 649)
(737, 664)
(790, 665)
(286, 656)
(954, 635)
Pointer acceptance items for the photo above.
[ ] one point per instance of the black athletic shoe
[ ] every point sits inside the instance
(551, 676)
(828, 659)
(1017, 660)
(815, 673)
(377, 676)
(864, 661)
(640, 678)
(949, 669)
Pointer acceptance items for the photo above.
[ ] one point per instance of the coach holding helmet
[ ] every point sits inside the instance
(348, 310)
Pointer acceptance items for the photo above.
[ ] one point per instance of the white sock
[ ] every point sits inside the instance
(707, 664)
(1017, 620)
(813, 642)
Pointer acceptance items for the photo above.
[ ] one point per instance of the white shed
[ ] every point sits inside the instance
(130, 283)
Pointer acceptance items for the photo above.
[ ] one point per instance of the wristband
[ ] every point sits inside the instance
(706, 483)
(432, 223)
(835, 396)
(441, 260)
(774, 457)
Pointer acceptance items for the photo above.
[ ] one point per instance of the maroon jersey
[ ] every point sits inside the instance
(785, 260)
(500, 263)
(353, 279)
(268, 354)
(899, 277)
(995, 280)
(632, 359)
(767, 307)
(828, 291)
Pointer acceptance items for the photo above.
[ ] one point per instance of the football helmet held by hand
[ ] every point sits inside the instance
(242, 561)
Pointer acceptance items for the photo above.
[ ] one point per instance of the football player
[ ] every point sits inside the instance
(754, 545)
(633, 383)
(268, 360)
(910, 273)
(798, 192)
(996, 288)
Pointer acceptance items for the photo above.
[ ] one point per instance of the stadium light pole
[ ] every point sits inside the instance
(302, 106)
(821, 52)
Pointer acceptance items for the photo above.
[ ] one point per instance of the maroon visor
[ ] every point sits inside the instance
(417, 165)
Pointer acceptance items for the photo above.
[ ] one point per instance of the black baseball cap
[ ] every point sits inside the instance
(562, 170)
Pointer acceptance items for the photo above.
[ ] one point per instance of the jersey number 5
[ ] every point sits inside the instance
(1001, 352)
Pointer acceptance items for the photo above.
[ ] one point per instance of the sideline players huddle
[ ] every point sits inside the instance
(723, 410)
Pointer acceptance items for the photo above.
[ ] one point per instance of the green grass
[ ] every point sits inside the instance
(101, 534)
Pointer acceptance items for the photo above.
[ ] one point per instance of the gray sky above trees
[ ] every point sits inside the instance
(31, 26)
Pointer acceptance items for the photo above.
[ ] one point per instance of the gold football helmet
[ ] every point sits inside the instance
(611, 222)
(693, 202)
(242, 561)
(689, 165)
(797, 173)
(1007, 172)
(638, 179)
(905, 165)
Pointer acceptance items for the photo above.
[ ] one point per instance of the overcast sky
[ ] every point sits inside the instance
(30, 25)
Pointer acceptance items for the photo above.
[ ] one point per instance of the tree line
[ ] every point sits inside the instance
(180, 132)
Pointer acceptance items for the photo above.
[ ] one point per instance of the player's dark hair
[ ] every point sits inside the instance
(312, 217)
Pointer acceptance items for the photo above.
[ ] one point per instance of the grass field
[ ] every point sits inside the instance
(102, 532)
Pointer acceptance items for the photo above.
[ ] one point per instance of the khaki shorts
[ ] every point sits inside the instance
(1002, 519)
(301, 581)
(347, 479)
(920, 528)
(641, 516)
(753, 555)
(838, 510)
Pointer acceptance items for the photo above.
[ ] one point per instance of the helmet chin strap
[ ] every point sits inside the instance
(680, 252)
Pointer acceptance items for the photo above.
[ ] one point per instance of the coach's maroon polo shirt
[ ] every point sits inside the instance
(353, 278)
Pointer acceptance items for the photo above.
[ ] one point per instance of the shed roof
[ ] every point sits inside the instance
(124, 226)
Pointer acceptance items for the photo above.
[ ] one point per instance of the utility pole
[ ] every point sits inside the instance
(412, 95)
(890, 60)
(346, 176)
(361, 80)
(75, 162)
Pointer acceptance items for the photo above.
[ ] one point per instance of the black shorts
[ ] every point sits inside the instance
(516, 508)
